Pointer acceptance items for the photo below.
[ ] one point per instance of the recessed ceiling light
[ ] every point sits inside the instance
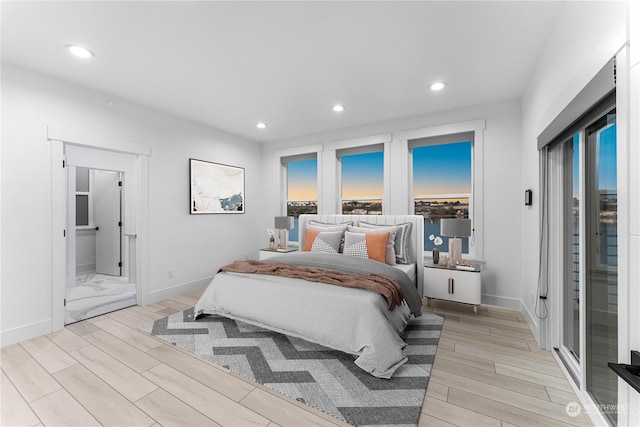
(436, 86)
(80, 51)
(338, 108)
(261, 125)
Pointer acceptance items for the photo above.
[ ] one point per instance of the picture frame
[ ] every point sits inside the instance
(215, 188)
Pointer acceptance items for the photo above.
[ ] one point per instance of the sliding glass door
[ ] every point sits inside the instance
(602, 261)
(572, 156)
(589, 315)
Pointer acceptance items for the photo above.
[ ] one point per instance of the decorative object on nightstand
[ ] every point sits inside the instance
(435, 253)
(283, 224)
(455, 228)
(272, 239)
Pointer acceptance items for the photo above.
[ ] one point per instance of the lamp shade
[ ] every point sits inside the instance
(283, 223)
(454, 227)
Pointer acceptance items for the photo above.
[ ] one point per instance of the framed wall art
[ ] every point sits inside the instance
(215, 188)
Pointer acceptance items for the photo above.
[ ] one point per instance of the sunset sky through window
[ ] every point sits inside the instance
(302, 177)
(437, 169)
(362, 175)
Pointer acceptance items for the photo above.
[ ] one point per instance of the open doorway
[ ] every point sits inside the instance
(101, 282)
(70, 148)
(100, 254)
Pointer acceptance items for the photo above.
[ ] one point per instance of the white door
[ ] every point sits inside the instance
(108, 221)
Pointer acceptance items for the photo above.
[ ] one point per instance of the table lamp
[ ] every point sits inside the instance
(283, 224)
(454, 228)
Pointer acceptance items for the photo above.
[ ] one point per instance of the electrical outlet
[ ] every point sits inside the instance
(170, 274)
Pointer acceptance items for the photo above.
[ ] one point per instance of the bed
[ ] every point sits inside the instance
(352, 320)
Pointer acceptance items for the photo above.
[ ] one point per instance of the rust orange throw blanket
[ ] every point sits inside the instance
(388, 288)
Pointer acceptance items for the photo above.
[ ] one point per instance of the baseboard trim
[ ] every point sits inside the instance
(44, 327)
(26, 332)
(502, 302)
(85, 268)
(531, 321)
(182, 288)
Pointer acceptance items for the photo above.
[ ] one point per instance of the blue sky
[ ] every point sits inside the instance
(576, 165)
(439, 169)
(442, 169)
(607, 169)
(362, 175)
(302, 177)
(607, 179)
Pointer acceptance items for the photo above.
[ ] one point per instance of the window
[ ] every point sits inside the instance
(362, 182)
(302, 188)
(442, 183)
(83, 202)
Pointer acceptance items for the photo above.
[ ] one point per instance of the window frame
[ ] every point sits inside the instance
(336, 149)
(471, 130)
(438, 141)
(354, 151)
(292, 155)
(90, 220)
(285, 163)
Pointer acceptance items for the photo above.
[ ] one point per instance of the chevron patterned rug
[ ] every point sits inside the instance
(320, 377)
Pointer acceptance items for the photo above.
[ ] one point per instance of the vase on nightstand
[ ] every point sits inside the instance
(272, 243)
(435, 254)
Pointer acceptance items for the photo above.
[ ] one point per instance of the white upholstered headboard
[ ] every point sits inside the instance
(416, 238)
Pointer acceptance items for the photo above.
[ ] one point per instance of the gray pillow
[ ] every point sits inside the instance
(402, 239)
(323, 226)
(327, 241)
(356, 245)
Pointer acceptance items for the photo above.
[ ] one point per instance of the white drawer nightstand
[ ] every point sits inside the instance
(269, 253)
(452, 284)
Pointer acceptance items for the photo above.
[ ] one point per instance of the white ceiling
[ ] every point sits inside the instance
(232, 64)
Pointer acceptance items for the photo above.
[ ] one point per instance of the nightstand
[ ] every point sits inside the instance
(452, 284)
(269, 253)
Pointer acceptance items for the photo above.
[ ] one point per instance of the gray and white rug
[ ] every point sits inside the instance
(312, 374)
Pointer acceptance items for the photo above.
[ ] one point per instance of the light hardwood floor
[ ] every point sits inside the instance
(103, 371)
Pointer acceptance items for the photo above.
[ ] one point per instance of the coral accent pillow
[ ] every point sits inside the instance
(309, 237)
(390, 232)
(402, 238)
(370, 245)
(377, 246)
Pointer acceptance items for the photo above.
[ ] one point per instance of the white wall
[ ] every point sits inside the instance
(85, 251)
(193, 246)
(587, 35)
(502, 190)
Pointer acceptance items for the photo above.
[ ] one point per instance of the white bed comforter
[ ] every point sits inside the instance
(354, 321)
